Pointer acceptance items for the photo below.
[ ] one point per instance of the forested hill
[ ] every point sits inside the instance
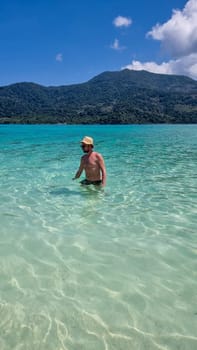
(123, 97)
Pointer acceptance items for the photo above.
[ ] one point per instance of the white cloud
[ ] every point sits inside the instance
(153, 67)
(122, 21)
(178, 37)
(183, 66)
(116, 46)
(59, 57)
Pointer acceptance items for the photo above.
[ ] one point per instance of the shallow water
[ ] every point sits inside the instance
(87, 268)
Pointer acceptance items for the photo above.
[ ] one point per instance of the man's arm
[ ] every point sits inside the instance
(80, 170)
(102, 168)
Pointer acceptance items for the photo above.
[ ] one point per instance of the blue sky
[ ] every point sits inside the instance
(63, 42)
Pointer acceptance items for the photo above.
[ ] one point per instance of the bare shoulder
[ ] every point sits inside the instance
(98, 156)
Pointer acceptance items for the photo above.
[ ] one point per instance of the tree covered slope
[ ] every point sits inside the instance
(123, 97)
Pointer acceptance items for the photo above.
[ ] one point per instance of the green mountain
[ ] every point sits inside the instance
(123, 97)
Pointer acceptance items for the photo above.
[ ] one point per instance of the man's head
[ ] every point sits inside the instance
(87, 144)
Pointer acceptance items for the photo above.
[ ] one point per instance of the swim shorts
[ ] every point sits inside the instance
(88, 182)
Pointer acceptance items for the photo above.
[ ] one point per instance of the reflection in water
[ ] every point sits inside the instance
(83, 191)
(64, 191)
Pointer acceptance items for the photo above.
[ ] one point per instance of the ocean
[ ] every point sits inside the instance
(90, 268)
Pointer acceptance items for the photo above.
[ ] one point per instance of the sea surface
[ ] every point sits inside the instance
(86, 268)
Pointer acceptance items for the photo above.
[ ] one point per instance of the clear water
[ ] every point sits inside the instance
(89, 269)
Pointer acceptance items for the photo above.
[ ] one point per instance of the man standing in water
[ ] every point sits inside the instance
(93, 164)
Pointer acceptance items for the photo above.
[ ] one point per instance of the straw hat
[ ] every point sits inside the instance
(88, 140)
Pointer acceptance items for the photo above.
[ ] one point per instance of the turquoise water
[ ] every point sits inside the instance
(89, 269)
